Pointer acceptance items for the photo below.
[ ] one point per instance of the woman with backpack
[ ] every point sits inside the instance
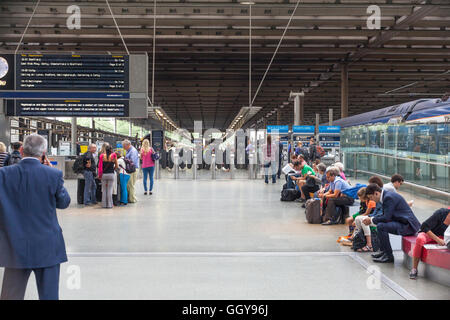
(148, 164)
(106, 171)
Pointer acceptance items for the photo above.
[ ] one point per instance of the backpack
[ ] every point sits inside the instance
(359, 240)
(290, 194)
(313, 211)
(129, 166)
(14, 158)
(305, 153)
(320, 151)
(78, 165)
(353, 192)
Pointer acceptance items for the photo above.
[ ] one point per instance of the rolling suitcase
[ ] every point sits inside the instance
(313, 211)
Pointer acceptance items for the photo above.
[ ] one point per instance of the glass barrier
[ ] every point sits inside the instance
(419, 152)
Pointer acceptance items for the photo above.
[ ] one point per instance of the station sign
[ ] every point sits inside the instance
(65, 108)
(303, 129)
(278, 129)
(41, 85)
(329, 129)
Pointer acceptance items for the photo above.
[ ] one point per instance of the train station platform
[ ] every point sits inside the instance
(222, 240)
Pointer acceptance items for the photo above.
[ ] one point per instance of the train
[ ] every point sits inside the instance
(420, 111)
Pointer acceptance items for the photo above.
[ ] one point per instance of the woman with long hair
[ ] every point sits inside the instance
(148, 165)
(270, 159)
(106, 171)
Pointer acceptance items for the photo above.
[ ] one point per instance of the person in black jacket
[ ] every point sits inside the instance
(431, 231)
(313, 154)
(15, 157)
(280, 157)
(89, 173)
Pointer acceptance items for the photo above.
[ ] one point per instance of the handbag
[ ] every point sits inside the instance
(155, 156)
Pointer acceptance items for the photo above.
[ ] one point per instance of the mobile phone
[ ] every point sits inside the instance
(43, 159)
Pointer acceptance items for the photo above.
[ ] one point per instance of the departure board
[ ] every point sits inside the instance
(65, 108)
(72, 72)
(71, 85)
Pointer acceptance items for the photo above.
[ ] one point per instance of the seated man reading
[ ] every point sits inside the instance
(397, 218)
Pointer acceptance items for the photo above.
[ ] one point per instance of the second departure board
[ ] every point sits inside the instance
(72, 72)
(68, 108)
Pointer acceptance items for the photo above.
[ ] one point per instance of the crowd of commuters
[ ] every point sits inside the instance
(382, 209)
(118, 172)
(34, 222)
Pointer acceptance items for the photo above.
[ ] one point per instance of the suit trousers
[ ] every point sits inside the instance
(15, 283)
(393, 227)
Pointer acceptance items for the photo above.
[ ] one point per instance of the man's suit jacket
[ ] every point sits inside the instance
(396, 209)
(30, 235)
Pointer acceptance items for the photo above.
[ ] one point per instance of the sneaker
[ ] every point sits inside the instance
(145, 193)
(303, 205)
(413, 274)
(150, 193)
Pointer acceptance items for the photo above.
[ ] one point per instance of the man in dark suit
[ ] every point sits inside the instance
(397, 218)
(30, 236)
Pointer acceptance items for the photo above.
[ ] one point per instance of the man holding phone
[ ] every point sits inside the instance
(31, 239)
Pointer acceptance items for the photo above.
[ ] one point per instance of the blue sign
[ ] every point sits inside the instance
(303, 129)
(280, 129)
(329, 129)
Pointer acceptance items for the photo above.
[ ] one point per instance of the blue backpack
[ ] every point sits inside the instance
(353, 192)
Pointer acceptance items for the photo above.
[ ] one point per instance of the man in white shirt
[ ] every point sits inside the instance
(396, 181)
(395, 184)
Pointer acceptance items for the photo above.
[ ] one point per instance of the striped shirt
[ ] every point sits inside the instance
(3, 155)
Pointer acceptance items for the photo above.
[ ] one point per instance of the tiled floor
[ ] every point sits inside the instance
(222, 239)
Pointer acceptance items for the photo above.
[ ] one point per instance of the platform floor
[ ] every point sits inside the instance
(223, 239)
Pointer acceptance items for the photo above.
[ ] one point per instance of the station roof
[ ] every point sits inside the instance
(202, 51)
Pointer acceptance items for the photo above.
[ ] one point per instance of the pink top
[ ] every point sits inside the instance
(100, 163)
(147, 160)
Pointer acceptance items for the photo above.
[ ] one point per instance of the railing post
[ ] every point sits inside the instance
(157, 170)
(213, 166)
(176, 165)
(232, 168)
(194, 166)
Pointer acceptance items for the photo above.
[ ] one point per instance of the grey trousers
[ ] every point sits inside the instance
(107, 190)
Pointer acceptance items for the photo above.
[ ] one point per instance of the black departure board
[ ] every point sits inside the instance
(68, 108)
(72, 72)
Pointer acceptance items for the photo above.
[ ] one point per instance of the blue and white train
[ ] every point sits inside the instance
(421, 111)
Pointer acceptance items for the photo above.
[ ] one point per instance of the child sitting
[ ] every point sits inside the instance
(366, 207)
(358, 218)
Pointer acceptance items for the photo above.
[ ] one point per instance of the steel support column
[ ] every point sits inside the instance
(344, 91)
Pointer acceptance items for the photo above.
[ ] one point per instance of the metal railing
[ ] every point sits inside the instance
(413, 185)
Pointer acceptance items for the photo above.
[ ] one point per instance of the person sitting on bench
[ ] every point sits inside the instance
(306, 172)
(290, 178)
(397, 218)
(431, 231)
(334, 197)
